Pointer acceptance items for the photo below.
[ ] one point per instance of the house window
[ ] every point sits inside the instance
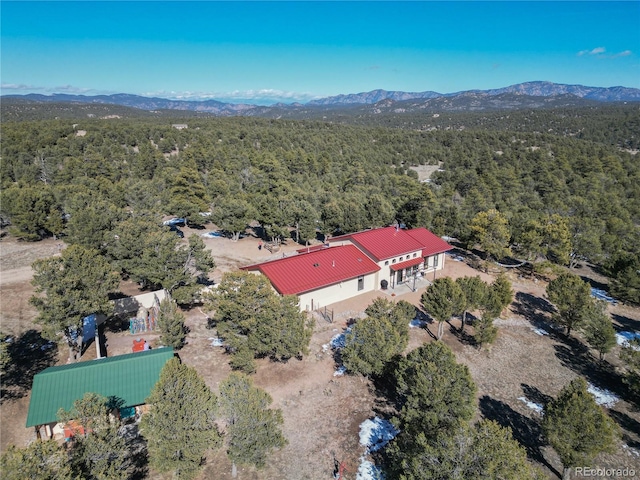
(393, 261)
(361, 282)
(401, 258)
(387, 262)
(415, 255)
(435, 260)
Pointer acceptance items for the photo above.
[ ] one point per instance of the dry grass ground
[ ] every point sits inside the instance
(323, 412)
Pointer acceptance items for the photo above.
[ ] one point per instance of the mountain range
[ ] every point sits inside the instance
(523, 95)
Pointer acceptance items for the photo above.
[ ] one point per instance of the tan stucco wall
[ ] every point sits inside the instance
(336, 293)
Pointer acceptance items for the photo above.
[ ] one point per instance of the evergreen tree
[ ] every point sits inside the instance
(101, 452)
(251, 317)
(436, 393)
(598, 328)
(33, 211)
(485, 331)
(577, 427)
(571, 296)
(501, 289)
(76, 284)
(171, 324)
(180, 425)
(371, 343)
(630, 355)
(41, 460)
(474, 291)
(485, 451)
(253, 429)
(232, 214)
(490, 229)
(443, 299)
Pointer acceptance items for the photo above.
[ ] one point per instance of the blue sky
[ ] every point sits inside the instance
(263, 52)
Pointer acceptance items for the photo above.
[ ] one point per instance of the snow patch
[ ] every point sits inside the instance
(212, 234)
(602, 295)
(631, 450)
(603, 397)
(368, 471)
(539, 331)
(216, 342)
(623, 338)
(536, 407)
(339, 341)
(340, 371)
(376, 433)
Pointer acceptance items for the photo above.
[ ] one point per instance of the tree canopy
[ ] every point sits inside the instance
(75, 285)
(180, 425)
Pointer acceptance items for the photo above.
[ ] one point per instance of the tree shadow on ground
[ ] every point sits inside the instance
(628, 424)
(29, 354)
(534, 309)
(535, 395)
(464, 337)
(526, 431)
(575, 356)
(424, 321)
(625, 323)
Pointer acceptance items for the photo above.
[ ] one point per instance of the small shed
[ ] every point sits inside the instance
(128, 378)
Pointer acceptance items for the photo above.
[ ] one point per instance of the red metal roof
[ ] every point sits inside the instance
(310, 271)
(431, 243)
(407, 264)
(389, 242)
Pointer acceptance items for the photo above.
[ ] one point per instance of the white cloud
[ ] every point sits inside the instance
(262, 96)
(601, 52)
(626, 53)
(595, 51)
(18, 86)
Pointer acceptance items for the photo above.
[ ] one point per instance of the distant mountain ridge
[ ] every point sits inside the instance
(524, 95)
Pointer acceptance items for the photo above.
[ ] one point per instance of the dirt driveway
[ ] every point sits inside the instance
(323, 412)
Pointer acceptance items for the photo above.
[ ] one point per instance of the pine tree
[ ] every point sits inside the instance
(598, 328)
(76, 284)
(41, 460)
(371, 343)
(485, 331)
(171, 324)
(577, 427)
(443, 299)
(475, 291)
(436, 393)
(253, 429)
(101, 452)
(180, 425)
(571, 296)
(483, 451)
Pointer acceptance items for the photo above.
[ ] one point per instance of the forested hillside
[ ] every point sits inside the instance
(563, 182)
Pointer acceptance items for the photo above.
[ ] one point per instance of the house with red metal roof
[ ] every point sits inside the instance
(353, 264)
(322, 276)
(400, 254)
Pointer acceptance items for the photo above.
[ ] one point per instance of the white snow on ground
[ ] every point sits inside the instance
(603, 397)
(623, 338)
(631, 450)
(539, 331)
(340, 371)
(376, 433)
(532, 405)
(602, 295)
(368, 471)
(216, 342)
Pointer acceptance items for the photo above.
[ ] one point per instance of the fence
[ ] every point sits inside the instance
(326, 314)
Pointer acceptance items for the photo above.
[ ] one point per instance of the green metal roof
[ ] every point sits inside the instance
(128, 377)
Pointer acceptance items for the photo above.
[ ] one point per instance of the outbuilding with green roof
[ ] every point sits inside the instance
(127, 378)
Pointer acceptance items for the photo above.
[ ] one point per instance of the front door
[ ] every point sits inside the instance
(399, 277)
